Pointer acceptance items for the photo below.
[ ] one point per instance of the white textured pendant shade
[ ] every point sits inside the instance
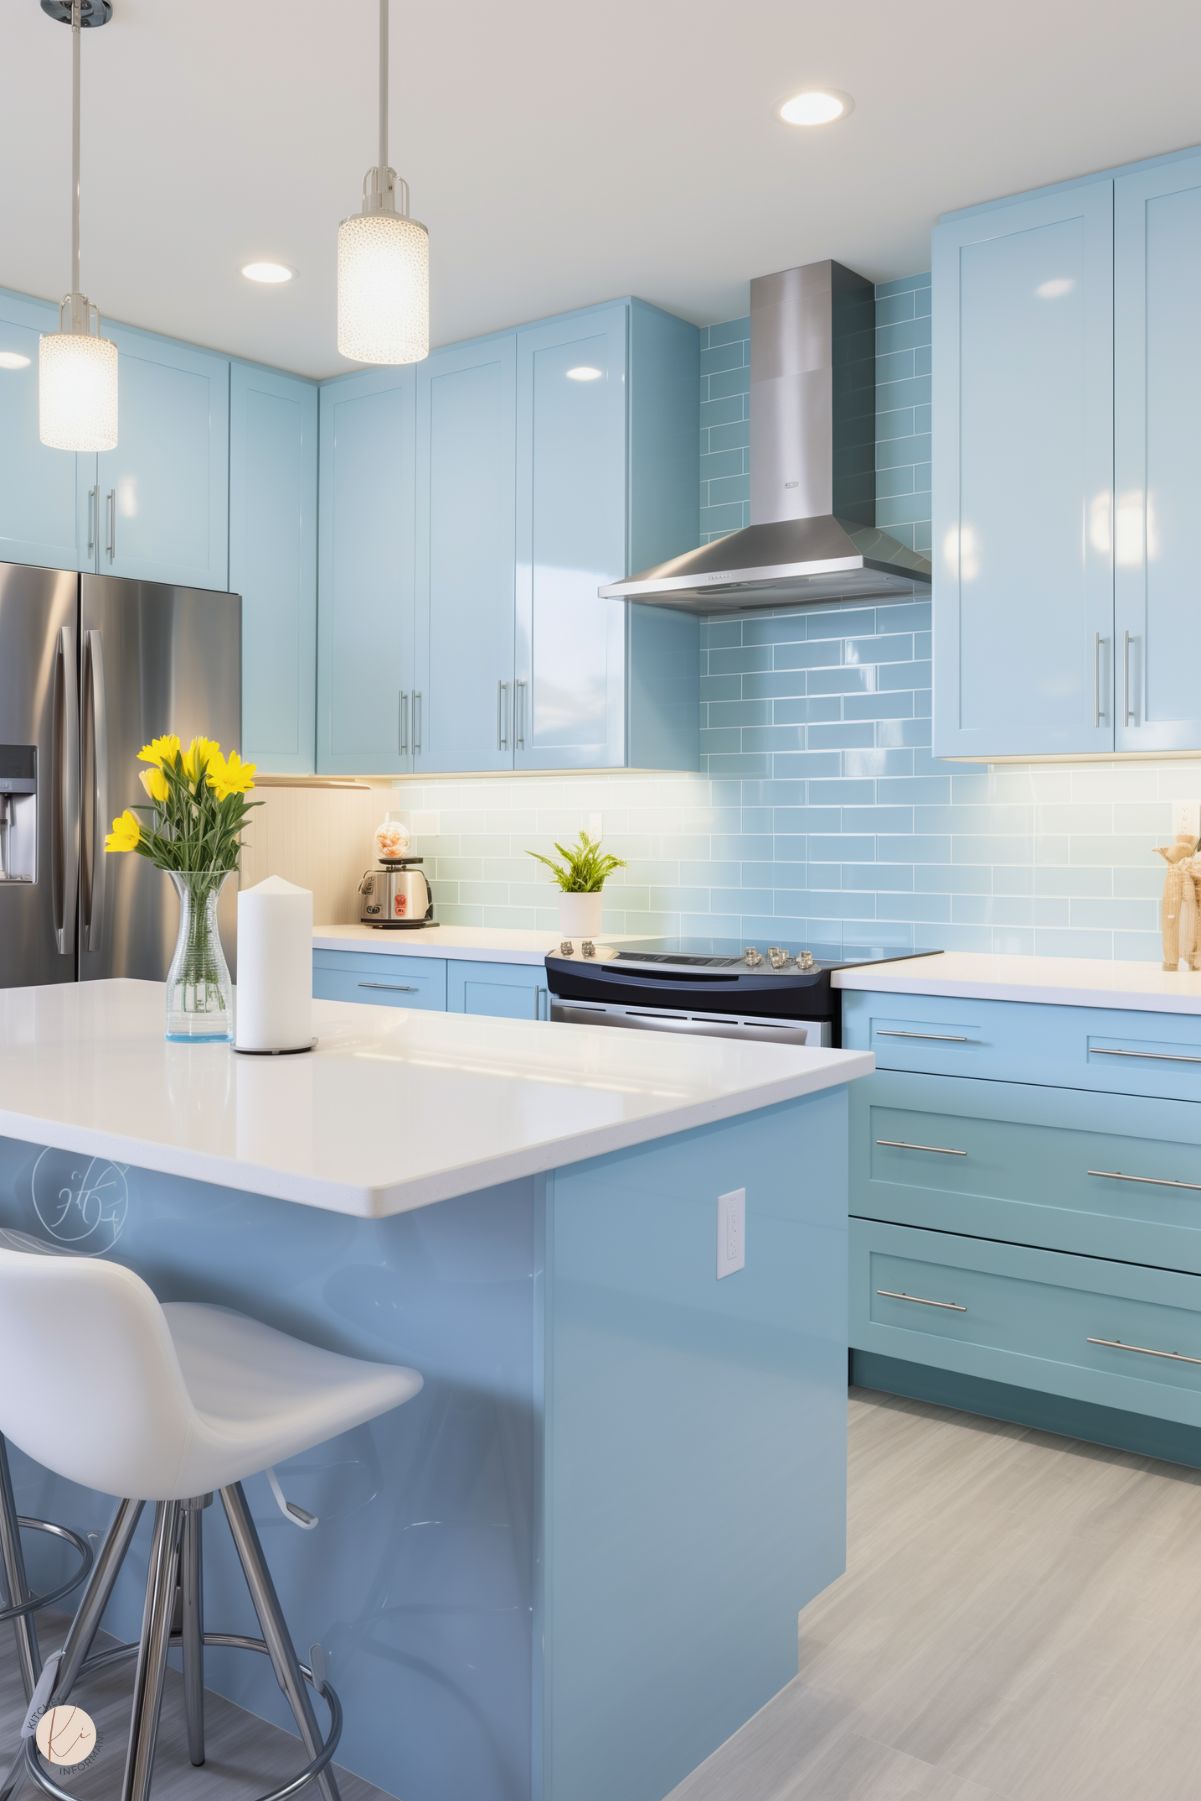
(383, 288)
(77, 391)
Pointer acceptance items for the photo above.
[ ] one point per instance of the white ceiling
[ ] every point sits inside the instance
(560, 153)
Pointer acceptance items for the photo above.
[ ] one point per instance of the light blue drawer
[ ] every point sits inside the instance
(1118, 1052)
(381, 980)
(1102, 1175)
(1109, 1333)
(501, 990)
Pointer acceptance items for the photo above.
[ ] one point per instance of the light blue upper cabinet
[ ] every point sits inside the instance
(462, 706)
(1023, 449)
(606, 481)
(365, 575)
(1157, 463)
(273, 562)
(160, 511)
(39, 520)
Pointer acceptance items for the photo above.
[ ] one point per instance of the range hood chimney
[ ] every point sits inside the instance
(813, 533)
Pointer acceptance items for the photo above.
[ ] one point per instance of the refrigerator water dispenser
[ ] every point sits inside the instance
(18, 813)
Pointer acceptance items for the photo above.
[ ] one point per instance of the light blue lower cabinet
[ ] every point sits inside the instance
(1114, 1334)
(382, 981)
(503, 990)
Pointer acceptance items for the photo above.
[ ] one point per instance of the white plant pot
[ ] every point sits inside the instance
(581, 915)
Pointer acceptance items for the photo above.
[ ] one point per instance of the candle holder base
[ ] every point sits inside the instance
(296, 1050)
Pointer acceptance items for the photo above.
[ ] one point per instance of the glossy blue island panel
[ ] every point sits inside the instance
(572, 1565)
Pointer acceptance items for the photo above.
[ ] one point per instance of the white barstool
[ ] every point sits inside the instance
(171, 1403)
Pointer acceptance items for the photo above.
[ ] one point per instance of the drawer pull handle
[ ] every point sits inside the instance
(1116, 1175)
(1115, 1344)
(393, 987)
(930, 1037)
(896, 1294)
(938, 1150)
(1099, 1050)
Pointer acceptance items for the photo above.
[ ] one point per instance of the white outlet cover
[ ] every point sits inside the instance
(731, 1232)
(1186, 817)
(596, 825)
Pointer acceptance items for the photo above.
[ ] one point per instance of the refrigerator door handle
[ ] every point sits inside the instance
(64, 802)
(93, 884)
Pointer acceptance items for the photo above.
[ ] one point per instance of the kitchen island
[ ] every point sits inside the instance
(573, 1565)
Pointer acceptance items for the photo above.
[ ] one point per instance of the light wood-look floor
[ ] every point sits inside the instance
(1020, 1618)
(1020, 1621)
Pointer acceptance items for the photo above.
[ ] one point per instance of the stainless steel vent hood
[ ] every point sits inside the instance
(812, 534)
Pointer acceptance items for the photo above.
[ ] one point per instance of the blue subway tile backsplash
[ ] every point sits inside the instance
(820, 813)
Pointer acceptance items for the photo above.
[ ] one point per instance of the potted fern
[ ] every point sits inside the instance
(581, 877)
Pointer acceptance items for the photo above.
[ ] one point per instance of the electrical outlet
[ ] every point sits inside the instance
(596, 825)
(1186, 818)
(731, 1232)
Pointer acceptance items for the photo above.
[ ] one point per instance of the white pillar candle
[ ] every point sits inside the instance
(274, 1006)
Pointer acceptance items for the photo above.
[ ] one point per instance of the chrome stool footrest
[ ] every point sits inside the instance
(20, 1610)
(225, 1640)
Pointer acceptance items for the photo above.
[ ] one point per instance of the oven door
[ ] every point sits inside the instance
(712, 1025)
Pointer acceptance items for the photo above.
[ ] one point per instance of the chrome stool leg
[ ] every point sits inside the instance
(81, 1634)
(191, 1626)
(15, 1588)
(275, 1632)
(162, 1581)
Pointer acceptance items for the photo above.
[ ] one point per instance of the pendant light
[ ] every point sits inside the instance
(77, 368)
(383, 259)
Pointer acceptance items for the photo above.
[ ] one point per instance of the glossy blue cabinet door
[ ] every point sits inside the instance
(1023, 436)
(466, 406)
(164, 491)
(571, 537)
(1157, 399)
(39, 519)
(365, 575)
(501, 990)
(273, 562)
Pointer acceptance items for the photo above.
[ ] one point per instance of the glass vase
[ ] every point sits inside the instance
(200, 995)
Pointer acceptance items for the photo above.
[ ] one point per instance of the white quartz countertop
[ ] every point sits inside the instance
(1054, 981)
(479, 944)
(393, 1110)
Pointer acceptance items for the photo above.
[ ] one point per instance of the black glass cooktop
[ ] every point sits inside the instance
(727, 953)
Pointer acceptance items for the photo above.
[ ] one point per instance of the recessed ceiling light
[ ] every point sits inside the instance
(12, 359)
(269, 274)
(1056, 288)
(815, 106)
(583, 372)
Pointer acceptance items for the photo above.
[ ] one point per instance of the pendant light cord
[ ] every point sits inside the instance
(383, 87)
(76, 7)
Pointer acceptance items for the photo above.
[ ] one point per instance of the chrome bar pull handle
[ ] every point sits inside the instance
(928, 1037)
(1100, 1050)
(1117, 1175)
(416, 720)
(519, 699)
(936, 1150)
(95, 869)
(918, 1300)
(64, 856)
(110, 505)
(502, 715)
(1127, 704)
(402, 722)
(392, 987)
(1142, 1350)
(93, 517)
(1098, 701)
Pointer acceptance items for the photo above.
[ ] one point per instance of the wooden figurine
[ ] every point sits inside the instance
(1178, 911)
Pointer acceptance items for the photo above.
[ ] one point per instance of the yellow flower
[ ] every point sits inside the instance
(159, 750)
(156, 785)
(229, 775)
(126, 833)
(198, 756)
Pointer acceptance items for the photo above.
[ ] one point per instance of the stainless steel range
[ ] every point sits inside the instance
(780, 993)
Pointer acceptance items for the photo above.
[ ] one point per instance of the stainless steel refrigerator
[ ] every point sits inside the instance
(92, 668)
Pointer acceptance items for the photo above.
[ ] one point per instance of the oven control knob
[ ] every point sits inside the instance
(778, 957)
(805, 960)
(751, 957)
(567, 948)
(588, 948)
